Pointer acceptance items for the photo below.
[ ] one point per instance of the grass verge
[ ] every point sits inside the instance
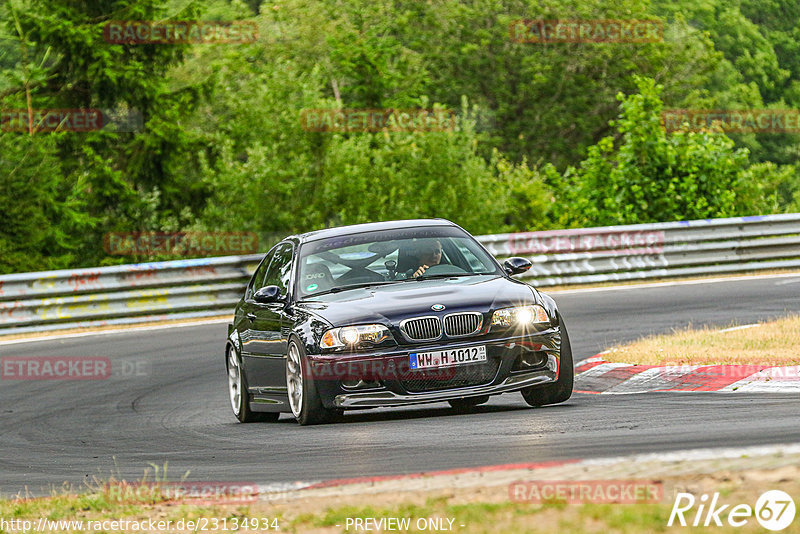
(462, 510)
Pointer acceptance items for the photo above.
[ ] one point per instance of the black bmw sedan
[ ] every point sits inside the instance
(390, 314)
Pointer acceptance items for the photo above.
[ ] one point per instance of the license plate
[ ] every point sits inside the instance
(447, 358)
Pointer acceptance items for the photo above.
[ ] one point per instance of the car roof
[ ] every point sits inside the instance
(368, 227)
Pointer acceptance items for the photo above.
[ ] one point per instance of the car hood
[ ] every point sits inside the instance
(394, 302)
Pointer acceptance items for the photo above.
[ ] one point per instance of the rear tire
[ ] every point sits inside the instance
(240, 398)
(304, 398)
(561, 390)
(468, 403)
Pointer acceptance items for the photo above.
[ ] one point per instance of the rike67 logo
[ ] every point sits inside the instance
(774, 510)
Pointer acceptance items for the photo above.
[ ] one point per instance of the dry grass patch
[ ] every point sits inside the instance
(771, 343)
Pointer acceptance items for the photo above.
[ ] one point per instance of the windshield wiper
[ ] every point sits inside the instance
(351, 286)
(451, 275)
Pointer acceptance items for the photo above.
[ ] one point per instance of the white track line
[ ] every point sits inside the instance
(675, 283)
(743, 327)
(700, 454)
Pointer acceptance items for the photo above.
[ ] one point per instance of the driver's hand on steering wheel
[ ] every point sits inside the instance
(421, 270)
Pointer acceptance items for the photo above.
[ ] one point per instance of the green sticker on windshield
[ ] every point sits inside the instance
(312, 287)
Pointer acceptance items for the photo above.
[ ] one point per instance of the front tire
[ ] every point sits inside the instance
(237, 391)
(561, 390)
(304, 399)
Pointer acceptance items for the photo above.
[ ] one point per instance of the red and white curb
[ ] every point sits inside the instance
(595, 375)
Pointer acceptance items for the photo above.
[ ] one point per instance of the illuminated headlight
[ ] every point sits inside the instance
(520, 316)
(348, 336)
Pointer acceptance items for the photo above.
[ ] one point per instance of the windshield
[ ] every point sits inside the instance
(390, 256)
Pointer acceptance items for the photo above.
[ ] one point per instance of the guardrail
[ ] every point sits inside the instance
(202, 287)
(122, 294)
(642, 251)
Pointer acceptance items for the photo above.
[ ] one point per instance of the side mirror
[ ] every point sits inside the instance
(516, 265)
(268, 294)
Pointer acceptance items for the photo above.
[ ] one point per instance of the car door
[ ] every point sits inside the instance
(246, 316)
(264, 346)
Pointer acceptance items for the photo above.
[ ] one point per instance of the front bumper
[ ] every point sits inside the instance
(371, 399)
(501, 372)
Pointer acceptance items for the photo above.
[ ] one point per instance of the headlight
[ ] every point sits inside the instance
(348, 336)
(520, 316)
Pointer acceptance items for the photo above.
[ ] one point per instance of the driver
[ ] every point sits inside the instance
(430, 254)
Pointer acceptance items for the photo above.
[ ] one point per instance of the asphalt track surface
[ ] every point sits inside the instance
(174, 410)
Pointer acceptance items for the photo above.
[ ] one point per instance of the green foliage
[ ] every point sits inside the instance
(292, 180)
(651, 175)
(552, 101)
(760, 44)
(42, 216)
(284, 179)
(221, 147)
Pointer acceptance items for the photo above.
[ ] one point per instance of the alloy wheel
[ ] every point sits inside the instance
(234, 382)
(294, 379)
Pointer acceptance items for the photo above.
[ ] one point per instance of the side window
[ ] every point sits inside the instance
(280, 268)
(475, 264)
(257, 281)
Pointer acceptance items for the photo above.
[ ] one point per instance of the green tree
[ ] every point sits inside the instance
(130, 181)
(43, 217)
(651, 175)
